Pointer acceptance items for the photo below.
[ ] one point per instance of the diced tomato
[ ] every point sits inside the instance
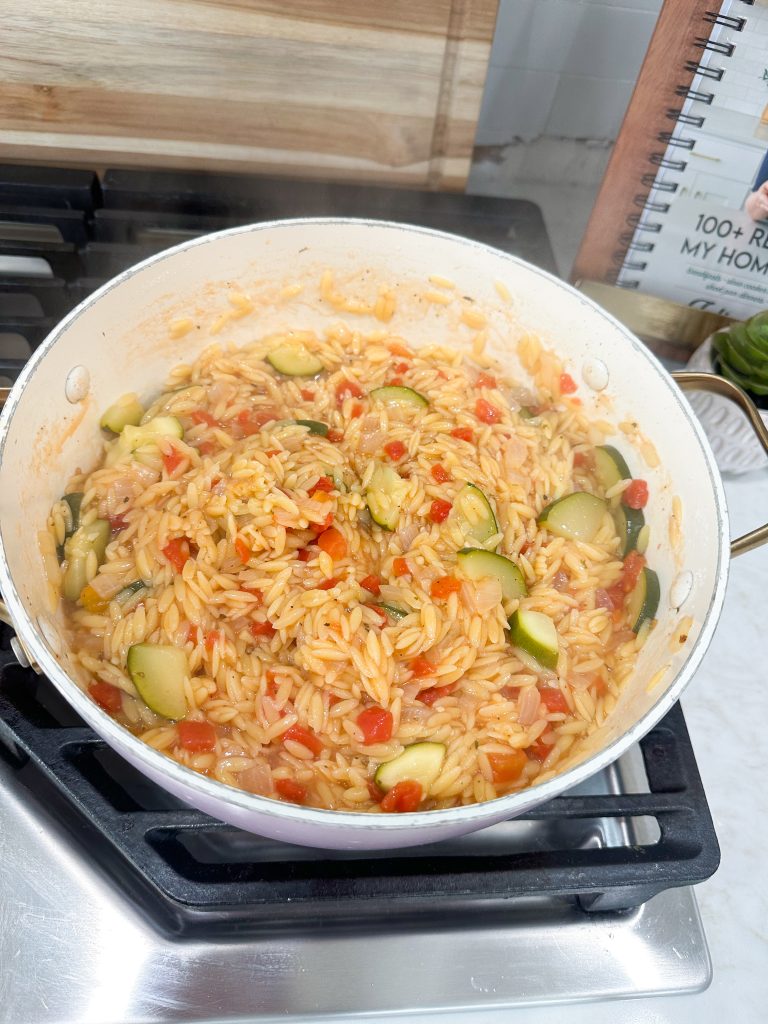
(201, 416)
(395, 382)
(395, 450)
(374, 791)
(421, 666)
(401, 367)
(376, 724)
(581, 459)
(196, 736)
(260, 629)
(347, 389)
(106, 696)
(250, 421)
(178, 552)
(332, 542)
(539, 750)
(291, 790)
(207, 447)
(400, 567)
(636, 495)
(272, 451)
(327, 584)
(243, 551)
(305, 737)
(117, 523)
(440, 474)
(616, 595)
(333, 698)
(400, 350)
(307, 394)
(357, 411)
(372, 584)
(554, 699)
(404, 796)
(633, 566)
(335, 435)
(507, 767)
(434, 693)
(255, 592)
(485, 380)
(567, 384)
(463, 434)
(439, 510)
(444, 587)
(380, 612)
(303, 554)
(486, 412)
(212, 638)
(324, 483)
(171, 460)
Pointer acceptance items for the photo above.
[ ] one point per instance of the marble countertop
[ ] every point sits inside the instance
(730, 738)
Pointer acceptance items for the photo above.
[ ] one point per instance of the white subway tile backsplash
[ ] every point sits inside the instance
(535, 34)
(588, 108)
(563, 68)
(516, 104)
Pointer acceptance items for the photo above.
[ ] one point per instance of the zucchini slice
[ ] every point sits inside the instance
(393, 611)
(124, 596)
(132, 438)
(610, 466)
(535, 633)
(385, 495)
(421, 762)
(629, 522)
(477, 564)
(294, 360)
(475, 514)
(93, 537)
(74, 501)
(400, 396)
(126, 412)
(314, 427)
(158, 672)
(643, 602)
(577, 516)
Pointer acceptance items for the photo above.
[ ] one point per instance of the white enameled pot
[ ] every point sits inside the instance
(121, 339)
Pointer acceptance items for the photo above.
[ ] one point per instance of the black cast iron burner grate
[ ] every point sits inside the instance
(62, 234)
(194, 875)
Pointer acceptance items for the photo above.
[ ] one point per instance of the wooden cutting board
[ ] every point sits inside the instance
(384, 91)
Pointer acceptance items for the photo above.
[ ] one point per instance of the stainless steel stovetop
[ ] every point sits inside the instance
(463, 925)
(74, 948)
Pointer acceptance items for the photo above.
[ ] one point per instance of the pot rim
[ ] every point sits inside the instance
(187, 778)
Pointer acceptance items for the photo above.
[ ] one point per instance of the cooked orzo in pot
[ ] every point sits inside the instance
(355, 574)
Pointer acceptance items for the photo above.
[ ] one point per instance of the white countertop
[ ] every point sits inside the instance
(731, 744)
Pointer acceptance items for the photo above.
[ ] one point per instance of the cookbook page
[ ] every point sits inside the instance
(703, 234)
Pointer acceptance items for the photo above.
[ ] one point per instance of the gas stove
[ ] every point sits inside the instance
(121, 904)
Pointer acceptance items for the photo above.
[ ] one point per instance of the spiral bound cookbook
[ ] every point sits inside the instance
(683, 210)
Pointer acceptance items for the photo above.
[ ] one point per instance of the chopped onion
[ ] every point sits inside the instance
(415, 713)
(603, 599)
(107, 584)
(528, 705)
(560, 581)
(514, 454)
(257, 779)
(371, 435)
(482, 595)
(407, 534)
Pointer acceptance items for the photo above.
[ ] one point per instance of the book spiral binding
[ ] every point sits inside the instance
(667, 158)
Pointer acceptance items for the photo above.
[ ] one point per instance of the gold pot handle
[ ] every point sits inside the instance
(689, 380)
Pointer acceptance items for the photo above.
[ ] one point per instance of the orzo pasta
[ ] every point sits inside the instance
(355, 574)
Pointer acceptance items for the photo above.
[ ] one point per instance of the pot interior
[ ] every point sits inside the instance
(127, 337)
